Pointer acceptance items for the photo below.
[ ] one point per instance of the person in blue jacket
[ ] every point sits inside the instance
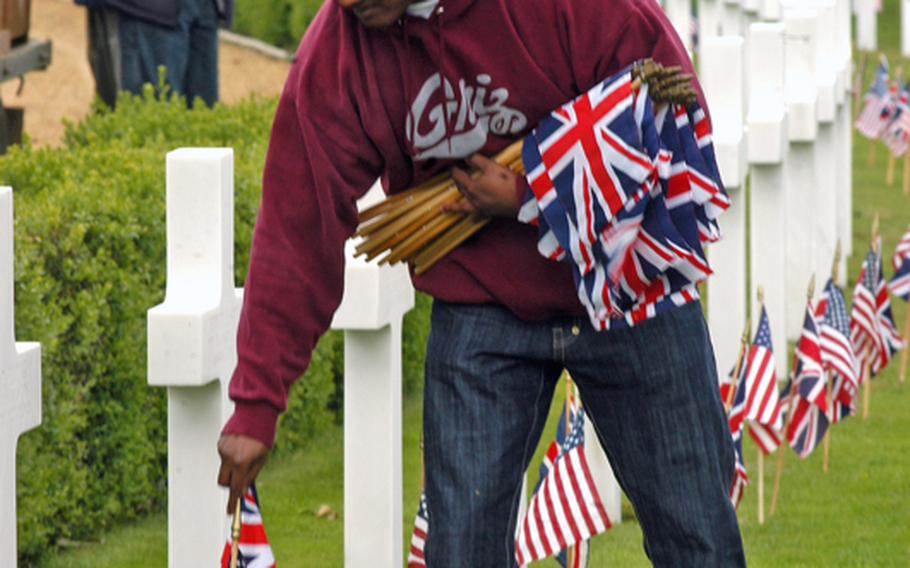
(181, 35)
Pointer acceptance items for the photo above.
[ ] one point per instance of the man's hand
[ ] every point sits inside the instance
(241, 459)
(490, 190)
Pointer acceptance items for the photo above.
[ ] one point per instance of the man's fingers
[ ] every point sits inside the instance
(480, 162)
(224, 474)
(463, 180)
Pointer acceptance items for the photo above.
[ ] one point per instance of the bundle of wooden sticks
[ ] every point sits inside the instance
(412, 227)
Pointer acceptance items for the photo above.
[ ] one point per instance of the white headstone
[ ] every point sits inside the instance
(20, 386)
(905, 28)
(679, 12)
(731, 22)
(845, 137)
(709, 16)
(768, 143)
(191, 347)
(866, 25)
(721, 73)
(375, 301)
(801, 95)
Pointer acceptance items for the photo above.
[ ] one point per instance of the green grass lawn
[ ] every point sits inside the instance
(856, 514)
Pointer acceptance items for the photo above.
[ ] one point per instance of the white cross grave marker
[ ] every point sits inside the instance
(721, 71)
(767, 148)
(371, 311)
(844, 136)
(191, 347)
(20, 386)
(866, 25)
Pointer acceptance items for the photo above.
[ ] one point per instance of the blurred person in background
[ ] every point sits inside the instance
(130, 39)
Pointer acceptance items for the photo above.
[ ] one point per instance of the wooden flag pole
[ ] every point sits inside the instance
(858, 82)
(761, 487)
(785, 441)
(892, 165)
(734, 386)
(235, 533)
(830, 377)
(906, 173)
(570, 551)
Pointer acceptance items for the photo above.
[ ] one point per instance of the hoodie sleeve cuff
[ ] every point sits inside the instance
(255, 420)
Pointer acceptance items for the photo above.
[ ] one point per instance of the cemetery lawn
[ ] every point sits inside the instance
(856, 514)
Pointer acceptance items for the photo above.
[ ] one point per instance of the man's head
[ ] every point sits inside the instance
(376, 13)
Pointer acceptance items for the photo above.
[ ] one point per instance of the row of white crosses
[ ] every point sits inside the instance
(20, 386)
(192, 352)
(776, 76)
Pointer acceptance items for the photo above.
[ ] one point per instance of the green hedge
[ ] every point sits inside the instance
(90, 262)
(278, 22)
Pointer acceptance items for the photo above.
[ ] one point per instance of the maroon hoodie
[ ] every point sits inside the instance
(473, 77)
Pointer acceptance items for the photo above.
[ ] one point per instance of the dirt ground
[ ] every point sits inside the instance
(66, 88)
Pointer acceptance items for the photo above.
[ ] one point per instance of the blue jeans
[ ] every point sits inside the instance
(189, 52)
(651, 391)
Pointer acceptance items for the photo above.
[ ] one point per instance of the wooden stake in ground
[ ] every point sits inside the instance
(570, 552)
(906, 349)
(785, 440)
(737, 370)
(829, 370)
(858, 81)
(906, 173)
(761, 487)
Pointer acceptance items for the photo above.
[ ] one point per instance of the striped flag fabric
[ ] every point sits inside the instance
(837, 350)
(897, 133)
(566, 509)
(626, 197)
(736, 420)
(874, 334)
(762, 409)
(809, 422)
(416, 555)
(878, 105)
(900, 284)
(255, 550)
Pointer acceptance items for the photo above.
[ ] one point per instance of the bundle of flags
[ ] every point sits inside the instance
(873, 333)
(897, 132)
(627, 193)
(807, 393)
(254, 550)
(566, 509)
(900, 284)
(837, 351)
(878, 105)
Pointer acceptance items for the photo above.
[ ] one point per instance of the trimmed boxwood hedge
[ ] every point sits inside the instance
(90, 262)
(278, 22)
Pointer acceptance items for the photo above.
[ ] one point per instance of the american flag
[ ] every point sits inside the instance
(874, 335)
(566, 508)
(878, 105)
(900, 284)
(763, 409)
(897, 134)
(809, 385)
(837, 350)
(255, 550)
(417, 556)
(626, 197)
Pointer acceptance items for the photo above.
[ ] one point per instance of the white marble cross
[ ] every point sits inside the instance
(20, 386)
(191, 347)
(721, 72)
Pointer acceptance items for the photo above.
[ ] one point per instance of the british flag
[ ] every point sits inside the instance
(254, 548)
(627, 197)
(417, 554)
(837, 350)
(897, 133)
(809, 387)
(878, 105)
(566, 509)
(900, 284)
(736, 420)
(873, 333)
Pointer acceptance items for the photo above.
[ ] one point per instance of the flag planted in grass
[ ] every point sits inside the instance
(874, 334)
(837, 351)
(254, 550)
(900, 284)
(878, 106)
(809, 423)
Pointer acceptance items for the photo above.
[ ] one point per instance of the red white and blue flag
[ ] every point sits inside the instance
(837, 351)
(879, 105)
(566, 509)
(897, 133)
(627, 197)
(763, 409)
(900, 284)
(809, 386)
(736, 420)
(874, 335)
(417, 554)
(255, 550)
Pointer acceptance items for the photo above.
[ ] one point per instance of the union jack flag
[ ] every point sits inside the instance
(255, 550)
(900, 284)
(626, 197)
(566, 509)
(837, 350)
(809, 422)
(874, 335)
(417, 556)
(736, 420)
(897, 134)
(878, 106)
